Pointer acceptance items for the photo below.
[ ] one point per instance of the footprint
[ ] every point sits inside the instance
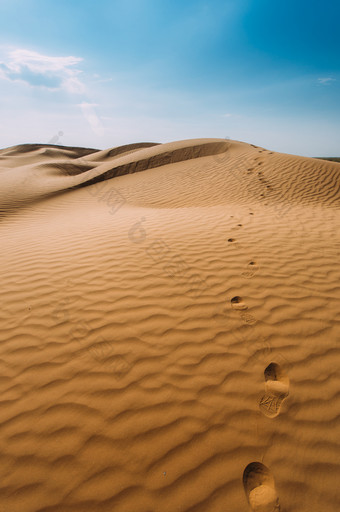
(259, 486)
(237, 303)
(251, 270)
(248, 319)
(276, 390)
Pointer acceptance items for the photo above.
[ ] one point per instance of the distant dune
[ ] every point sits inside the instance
(169, 329)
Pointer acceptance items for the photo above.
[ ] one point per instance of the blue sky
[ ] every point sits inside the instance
(109, 72)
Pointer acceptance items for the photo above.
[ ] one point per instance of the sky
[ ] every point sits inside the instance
(110, 72)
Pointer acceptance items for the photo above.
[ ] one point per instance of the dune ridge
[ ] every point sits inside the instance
(169, 329)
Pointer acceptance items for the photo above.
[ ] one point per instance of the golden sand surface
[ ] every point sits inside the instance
(169, 335)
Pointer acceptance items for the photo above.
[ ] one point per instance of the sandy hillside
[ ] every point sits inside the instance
(169, 329)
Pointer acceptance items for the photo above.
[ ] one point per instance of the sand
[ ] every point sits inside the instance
(169, 329)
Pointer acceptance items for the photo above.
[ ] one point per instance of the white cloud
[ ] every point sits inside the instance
(326, 81)
(37, 70)
(84, 104)
(227, 115)
(104, 80)
(91, 117)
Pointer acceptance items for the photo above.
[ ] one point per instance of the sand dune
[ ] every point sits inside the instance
(169, 329)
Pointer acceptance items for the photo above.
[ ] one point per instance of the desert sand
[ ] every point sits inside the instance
(169, 329)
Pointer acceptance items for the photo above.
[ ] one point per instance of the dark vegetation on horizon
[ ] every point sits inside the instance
(331, 158)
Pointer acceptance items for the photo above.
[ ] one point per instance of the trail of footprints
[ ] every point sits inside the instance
(258, 482)
(258, 162)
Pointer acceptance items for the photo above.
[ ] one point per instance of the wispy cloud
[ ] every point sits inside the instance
(37, 70)
(91, 117)
(101, 80)
(326, 80)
